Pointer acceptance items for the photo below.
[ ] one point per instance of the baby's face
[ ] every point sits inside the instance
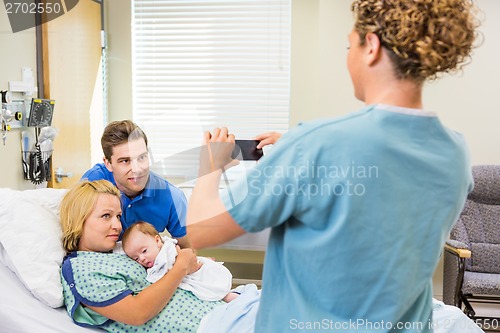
(143, 248)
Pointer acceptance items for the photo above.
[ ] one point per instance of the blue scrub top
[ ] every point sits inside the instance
(360, 207)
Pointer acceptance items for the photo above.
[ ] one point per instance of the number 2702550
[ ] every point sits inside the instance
(32, 8)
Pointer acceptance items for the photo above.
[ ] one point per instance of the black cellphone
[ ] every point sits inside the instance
(248, 149)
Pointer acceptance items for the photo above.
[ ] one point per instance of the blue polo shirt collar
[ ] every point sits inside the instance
(148, 190)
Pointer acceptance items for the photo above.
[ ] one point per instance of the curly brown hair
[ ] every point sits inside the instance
(423, 37)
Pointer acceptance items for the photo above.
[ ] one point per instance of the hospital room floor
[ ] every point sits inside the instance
(486, 310)
(489, 310)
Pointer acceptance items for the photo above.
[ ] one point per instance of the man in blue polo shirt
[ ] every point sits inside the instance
(145, 195)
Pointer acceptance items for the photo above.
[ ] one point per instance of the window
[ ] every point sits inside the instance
(204, 64)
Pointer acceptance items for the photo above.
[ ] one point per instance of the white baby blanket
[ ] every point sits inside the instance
(210, 283)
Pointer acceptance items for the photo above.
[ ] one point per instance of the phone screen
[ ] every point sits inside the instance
(248, 149)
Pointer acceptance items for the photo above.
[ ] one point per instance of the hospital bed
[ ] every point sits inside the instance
(30, 290)
(22, 313)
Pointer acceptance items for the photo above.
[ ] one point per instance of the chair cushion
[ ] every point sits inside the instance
(485, 258)
(486, 184)
(481, 283)
(482, 223)
(478, 227)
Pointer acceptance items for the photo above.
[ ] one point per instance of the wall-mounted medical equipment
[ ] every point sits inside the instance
(37, 149)
(11, 113)
(34, 116)
(16, 102)
(41, 112)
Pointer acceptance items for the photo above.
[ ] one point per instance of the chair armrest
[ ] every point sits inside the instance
(457, 248)
(455, 255)
(457, 244)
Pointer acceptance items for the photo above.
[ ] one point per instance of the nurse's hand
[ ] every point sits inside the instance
(216, 154)
(268, 138)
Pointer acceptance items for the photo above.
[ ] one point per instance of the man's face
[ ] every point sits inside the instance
(130, 166)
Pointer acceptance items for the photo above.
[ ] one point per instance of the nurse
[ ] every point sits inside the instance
(355, 261)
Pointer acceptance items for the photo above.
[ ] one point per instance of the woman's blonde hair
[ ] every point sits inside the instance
(423, 37)
(76, 207)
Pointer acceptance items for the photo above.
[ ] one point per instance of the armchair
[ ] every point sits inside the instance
(472, 255)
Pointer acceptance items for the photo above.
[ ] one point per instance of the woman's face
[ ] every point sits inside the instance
(102, 228)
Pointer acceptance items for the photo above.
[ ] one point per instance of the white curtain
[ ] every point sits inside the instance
(204, 64)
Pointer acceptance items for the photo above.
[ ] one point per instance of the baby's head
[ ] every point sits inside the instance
(142, 242)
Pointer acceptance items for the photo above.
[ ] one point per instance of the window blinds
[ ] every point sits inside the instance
(204, 64)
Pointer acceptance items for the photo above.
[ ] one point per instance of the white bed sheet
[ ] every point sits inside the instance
(20, 312)
(228, 319)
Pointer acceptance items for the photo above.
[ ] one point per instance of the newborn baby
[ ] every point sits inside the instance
(142, 242)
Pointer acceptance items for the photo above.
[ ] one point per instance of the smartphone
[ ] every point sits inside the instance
(248, 149)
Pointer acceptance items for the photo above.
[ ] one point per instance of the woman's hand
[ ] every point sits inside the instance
(186, 258)
(268, 138)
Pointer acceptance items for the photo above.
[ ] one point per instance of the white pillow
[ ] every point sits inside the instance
(30, 234)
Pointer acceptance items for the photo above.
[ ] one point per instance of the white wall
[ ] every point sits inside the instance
(118, 29)
(468, 102)
(320, 82)
(17, 50)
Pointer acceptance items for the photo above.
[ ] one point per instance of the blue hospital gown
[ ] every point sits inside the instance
(101, 279)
